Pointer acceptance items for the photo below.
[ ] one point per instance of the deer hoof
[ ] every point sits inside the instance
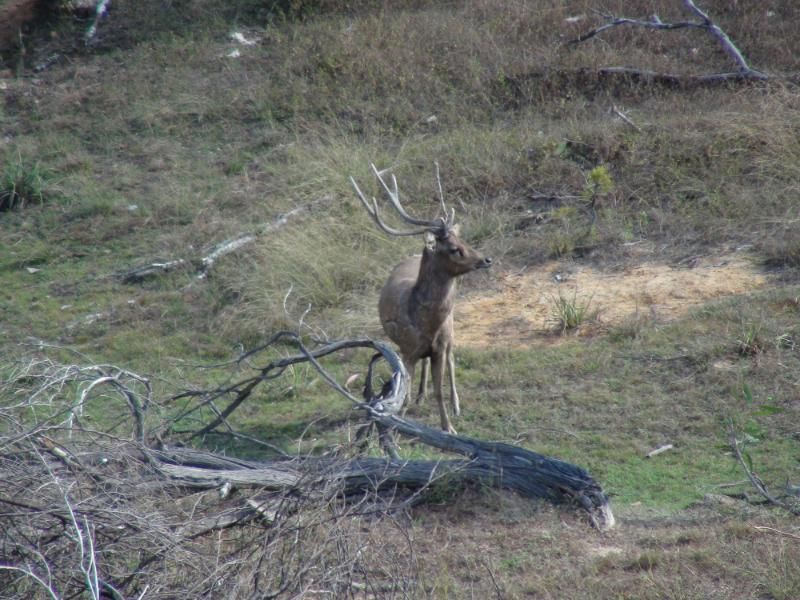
(451, 430)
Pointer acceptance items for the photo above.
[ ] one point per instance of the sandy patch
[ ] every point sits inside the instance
(520, 311)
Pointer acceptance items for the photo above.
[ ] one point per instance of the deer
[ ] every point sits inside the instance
(416, 302)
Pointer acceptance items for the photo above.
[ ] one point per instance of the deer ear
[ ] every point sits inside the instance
(456, 229)
(430, 240)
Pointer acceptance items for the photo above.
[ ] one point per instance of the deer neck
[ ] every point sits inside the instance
(433, 294)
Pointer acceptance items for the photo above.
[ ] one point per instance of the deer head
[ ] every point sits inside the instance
(453, 255)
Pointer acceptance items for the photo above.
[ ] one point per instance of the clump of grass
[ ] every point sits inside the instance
(567, 234)
(751, 341)
(646, 561)
(21, 183)
(324, 269)
(569, 313)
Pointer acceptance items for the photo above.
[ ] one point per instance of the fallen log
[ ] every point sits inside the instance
(491, 464)
(494, 464)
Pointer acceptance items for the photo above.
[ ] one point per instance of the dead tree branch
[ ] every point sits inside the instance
(744, 71)
(113, 524)
(202, 266)
(45, 383)
(241, 390)
(653, 23)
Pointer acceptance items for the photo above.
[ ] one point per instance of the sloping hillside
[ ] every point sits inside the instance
(645, 229)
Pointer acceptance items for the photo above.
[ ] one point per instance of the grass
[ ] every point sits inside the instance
(569, 314)
(21, 183)
(157, 145)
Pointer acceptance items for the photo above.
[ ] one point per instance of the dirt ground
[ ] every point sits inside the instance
(520, 310)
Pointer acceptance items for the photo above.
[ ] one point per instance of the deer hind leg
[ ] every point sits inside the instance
(423, 380)
(437, 366)
(410, 370)
(451, 372)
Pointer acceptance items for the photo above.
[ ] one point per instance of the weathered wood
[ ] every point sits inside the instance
(493, 464)
(159, 462)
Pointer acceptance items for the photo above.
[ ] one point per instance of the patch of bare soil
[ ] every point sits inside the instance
(521, 309)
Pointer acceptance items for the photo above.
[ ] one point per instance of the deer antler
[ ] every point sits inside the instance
(449, 217)
(372, 209)
(438, 226)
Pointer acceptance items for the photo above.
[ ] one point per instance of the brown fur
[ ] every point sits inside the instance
(13, 15)
(416, 311)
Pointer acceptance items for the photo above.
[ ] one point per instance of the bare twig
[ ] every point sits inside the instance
(625, 118)
(28, 572)
(242, 389)
(653, 23)
(759, 485)
(497, 589)
(144, 272)
(726, 43)
(763, 528)
(659, 450)
(46, 381)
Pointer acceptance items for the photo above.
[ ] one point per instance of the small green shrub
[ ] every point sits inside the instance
(598, 182)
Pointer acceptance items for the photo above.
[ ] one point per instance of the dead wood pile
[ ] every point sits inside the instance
(100, 493)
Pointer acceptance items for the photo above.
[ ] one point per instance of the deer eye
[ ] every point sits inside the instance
(457, 250)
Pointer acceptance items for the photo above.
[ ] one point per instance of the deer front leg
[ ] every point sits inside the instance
(437, 366)
(423, 382)
(410, 370)
(451, 372)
